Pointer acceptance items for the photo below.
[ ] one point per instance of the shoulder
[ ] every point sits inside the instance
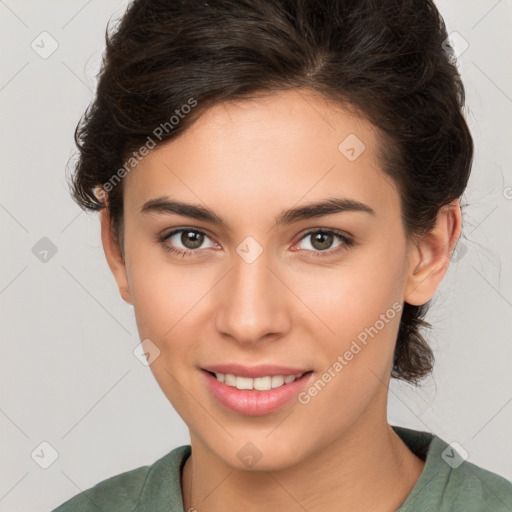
(449, 482)
(115, 493)
(130, 490)
(476, 489)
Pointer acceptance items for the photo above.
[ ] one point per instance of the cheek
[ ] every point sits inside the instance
(359, 321)
(166, 301)
(360, 312)
(352, 296)
(161, 291)
(356, 316)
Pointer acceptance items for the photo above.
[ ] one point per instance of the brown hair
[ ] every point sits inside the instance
(388, 60)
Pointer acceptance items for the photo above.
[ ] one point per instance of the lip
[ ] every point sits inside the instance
(253, 402)
(263, 370)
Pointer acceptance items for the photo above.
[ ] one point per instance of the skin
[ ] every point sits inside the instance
(248, 161)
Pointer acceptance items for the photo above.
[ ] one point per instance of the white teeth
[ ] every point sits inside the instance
(230, 380)
(277, 380)
(259, 383)
(244, 383)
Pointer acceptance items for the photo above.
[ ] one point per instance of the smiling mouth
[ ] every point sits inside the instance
(265, 383)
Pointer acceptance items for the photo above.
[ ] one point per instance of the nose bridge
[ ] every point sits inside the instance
(253, 303)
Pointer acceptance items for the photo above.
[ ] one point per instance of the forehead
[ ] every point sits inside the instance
(264, 154)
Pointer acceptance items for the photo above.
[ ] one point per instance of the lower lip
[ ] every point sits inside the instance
(252, 402)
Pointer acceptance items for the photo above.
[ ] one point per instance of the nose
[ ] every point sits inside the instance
(253, 302)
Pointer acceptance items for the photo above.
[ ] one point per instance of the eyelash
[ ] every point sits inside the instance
(347, 242)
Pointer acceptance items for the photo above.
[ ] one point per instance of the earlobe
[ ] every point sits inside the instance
(113, 255)
(430, 257)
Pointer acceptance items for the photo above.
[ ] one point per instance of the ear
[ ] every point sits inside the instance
(113, 255)
(430, 256)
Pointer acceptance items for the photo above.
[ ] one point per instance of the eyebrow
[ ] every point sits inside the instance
(306, 212)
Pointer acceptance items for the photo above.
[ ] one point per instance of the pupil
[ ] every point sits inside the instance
(327, 240)
(191, 239)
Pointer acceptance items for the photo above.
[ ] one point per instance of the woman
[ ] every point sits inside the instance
(278, 184)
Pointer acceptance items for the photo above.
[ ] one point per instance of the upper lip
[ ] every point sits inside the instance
(253, 372)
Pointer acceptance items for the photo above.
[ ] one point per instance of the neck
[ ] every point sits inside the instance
(367, 468)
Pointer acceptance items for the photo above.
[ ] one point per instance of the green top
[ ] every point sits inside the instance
(447, 484)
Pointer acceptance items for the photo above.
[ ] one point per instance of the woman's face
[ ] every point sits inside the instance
(254, 291)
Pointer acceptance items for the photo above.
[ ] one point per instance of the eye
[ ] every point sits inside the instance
(191, 239)
(322, 241)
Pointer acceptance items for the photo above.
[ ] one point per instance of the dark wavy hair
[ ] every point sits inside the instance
(387, 60)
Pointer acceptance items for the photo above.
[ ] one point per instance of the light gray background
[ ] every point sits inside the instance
(69, 376)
